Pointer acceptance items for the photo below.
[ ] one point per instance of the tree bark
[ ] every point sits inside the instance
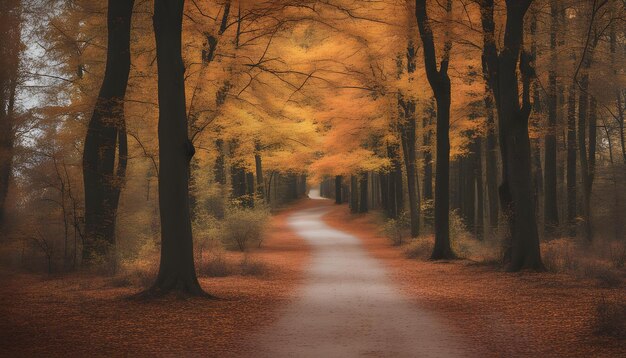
(551, 212)
(10, 16)
(440, 83)
(428, 155)
(478, 175)
(491, 166)
(354, 195)
(363, 186)
(260, 182)
(395, 204)
(407, 127)
(106, 129)
(407, 134)
(571, 161)
(219, 171)
(516, 194)
(176, 269)
(338, 184)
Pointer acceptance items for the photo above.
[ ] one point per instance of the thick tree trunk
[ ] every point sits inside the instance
(440, 84)
(106, 127)
(338, 184)
(176, 269)
(516, 194)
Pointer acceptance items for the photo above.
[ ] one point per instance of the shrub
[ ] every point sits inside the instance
(207, 232)
(617, 254)
(602, 273)
(560, 255)
(428, 214)
(464, 244)
(250, 267)
(610, 319)
(420, 248)
(215, 265)
(243, 228)
(140, 272)
(397, 229)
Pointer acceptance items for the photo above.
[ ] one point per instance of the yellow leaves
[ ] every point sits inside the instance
(348, 163)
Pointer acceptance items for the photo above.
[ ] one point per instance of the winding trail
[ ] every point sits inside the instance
(348, 306)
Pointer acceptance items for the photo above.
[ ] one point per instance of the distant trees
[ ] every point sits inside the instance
(279, 94)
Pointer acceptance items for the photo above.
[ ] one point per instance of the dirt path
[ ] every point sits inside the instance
(348, 305)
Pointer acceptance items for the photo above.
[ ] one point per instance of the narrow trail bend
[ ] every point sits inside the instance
(348, 306)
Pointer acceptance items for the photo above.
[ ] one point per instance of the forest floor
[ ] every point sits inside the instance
(499, 314)
(89, 315)
(487, 312)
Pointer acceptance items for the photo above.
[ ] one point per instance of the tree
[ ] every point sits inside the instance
(516, 194)
(176, 269)
(407, 128)
(551, 213)
(106, 133)
(440, 84)
(338, 191)
(10, 48)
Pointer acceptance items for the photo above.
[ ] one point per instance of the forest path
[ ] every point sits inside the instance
(348, 306)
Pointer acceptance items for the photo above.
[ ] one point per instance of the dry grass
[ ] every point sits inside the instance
(419, 248)
(602, 262)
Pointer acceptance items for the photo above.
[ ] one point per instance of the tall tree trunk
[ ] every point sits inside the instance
(176, 269)
(260, 182)
(440, 83)
(106, 128)
(407, 130)
(394, 184)
(10, 49)
(551, 212)
(407, 127)
(478, 175)
(7, 140)
(363, 186)
(428, 155)
(571, 161)
(516, 194)
(491, 166)
(219, 169)
(338, 184)
(354, 194)
(250, 189)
